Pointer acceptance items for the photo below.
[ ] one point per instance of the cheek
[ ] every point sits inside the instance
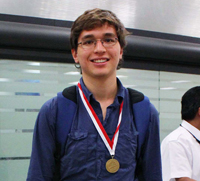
(82, 57)
(118, 55)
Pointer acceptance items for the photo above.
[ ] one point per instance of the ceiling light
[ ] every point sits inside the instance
(167, 88)
(180, 81)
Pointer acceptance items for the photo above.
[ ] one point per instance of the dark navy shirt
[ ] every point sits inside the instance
(85, 154)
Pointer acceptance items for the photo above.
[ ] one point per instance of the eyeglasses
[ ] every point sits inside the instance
(90, 43)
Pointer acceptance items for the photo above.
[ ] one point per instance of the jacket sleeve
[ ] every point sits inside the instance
(149, 167)
(42, 162)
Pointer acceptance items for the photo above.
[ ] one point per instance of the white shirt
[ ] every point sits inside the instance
(180, 153)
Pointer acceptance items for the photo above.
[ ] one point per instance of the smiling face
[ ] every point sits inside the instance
(98, 61)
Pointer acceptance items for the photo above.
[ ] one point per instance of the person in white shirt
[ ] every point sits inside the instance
(180, 150)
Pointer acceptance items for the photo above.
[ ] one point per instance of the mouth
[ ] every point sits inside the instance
(100, 60)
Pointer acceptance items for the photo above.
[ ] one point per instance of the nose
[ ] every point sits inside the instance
(99, 48)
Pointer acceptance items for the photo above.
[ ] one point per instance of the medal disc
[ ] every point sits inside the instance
(112, 165)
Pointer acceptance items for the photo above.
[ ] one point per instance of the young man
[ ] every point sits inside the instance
(180, 149)
(103, 140)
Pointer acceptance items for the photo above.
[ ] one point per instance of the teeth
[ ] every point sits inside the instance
(100, 61)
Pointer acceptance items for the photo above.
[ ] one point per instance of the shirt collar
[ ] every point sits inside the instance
(191, 129)
(120, 92)
(87, 93)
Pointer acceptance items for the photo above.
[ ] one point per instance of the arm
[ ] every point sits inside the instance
(175, 162)
(150, 160)
(42, 163)
(184, 179)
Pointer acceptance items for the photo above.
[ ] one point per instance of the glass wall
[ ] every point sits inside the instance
(26, 85)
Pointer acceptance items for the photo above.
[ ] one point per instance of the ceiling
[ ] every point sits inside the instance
(180, 17)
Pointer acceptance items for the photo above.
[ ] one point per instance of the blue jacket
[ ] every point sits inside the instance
(64, 107)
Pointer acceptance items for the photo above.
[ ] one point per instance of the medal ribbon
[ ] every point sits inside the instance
(110, 144)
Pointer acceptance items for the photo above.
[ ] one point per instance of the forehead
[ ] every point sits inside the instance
(99, 32)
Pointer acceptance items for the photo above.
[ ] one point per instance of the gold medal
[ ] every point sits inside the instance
(112, 165)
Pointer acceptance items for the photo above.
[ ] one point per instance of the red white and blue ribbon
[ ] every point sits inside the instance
(110, 144)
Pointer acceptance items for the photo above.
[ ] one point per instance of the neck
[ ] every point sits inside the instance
(195, 123)
(103, 89)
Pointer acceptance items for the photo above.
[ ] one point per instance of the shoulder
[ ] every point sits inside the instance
(175, 152)
(179, 136)
(135, 95)
(139, 97)
(67, 95)
(48, 110)
(50, 104)
(174, 143)
(142, 102)
(70, 93)
(153, 111)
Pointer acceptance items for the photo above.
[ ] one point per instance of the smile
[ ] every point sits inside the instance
(100, 60)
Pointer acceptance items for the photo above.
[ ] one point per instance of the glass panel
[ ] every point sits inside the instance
(26, 85)
(172, 88)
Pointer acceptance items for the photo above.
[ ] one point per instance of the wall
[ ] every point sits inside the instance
(180, 17)
(26, 85)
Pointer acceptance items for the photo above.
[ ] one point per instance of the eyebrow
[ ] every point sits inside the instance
(92, 36)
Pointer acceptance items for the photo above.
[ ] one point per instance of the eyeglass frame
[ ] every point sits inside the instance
(101, 40)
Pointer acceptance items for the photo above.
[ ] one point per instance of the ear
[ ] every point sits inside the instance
(74, 54)
(198, 112)
(121, 53)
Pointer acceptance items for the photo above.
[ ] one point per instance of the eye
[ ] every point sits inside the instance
(88, 42)
(109, 40)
